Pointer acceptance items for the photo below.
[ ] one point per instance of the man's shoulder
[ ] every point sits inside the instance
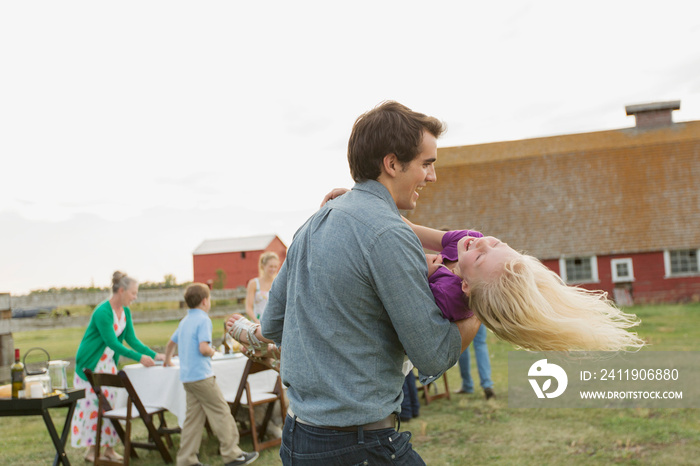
(370, 207)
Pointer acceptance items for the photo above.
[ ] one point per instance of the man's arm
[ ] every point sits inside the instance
(399, 271)
(272, 320)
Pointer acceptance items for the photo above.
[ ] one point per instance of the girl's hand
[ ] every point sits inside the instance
(337, 192)
(434, 262)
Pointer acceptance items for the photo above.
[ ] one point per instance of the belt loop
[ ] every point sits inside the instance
(360, 435)
(293, 423)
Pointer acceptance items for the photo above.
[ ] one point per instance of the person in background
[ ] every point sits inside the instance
(258, 288)
(204, 398)
(102, 344)
(483, 365)
(410, 406)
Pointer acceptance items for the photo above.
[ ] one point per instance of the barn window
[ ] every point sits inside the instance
(579, 269)
(682, 262)
(622, 270)
(242, 254)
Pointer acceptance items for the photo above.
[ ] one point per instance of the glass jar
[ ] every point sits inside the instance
(37, 385)
(57, 372)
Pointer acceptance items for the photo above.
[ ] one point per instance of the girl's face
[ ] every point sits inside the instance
(482, 258)
(271, 268)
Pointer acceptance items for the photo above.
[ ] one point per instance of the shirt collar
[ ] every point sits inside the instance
(377, 189)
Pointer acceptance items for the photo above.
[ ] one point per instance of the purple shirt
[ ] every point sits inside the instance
(445, 285)
(450, 240)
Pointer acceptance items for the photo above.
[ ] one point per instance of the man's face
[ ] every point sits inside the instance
(412, 177)
(482, 258)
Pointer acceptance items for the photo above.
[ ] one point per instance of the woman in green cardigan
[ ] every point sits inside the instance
(102, 344)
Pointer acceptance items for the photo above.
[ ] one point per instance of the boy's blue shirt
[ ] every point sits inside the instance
(195, 328)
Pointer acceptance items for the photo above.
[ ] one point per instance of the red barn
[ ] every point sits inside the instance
(617, 210)
(236, 257)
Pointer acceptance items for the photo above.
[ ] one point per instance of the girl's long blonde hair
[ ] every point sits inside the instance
(530, 306)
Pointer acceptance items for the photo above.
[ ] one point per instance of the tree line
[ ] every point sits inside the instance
(169, 281)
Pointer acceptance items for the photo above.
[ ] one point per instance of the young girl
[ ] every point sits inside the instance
(518, 298)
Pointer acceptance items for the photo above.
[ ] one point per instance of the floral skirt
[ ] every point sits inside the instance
(84, 423)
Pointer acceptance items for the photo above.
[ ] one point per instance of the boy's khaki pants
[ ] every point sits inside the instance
(205, 401)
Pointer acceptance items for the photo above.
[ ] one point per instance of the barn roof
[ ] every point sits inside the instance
(599, 193)
(223, 245)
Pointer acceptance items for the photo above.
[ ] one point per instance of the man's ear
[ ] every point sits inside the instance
(465, 287)
(390, 164)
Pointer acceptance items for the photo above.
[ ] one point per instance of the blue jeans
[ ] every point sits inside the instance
(410, 406)
(305, 445)
(483, 364)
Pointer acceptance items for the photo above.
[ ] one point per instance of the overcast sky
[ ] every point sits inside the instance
(132, 131)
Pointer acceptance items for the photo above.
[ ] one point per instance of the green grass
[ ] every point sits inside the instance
(465, 429)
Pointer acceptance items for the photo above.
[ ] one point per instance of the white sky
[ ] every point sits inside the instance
(131, 131)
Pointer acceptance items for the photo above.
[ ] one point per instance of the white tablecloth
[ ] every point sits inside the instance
(161, 386)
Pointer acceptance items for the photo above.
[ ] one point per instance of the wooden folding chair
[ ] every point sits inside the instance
(252, 398)
(436, 396)
(134, 409)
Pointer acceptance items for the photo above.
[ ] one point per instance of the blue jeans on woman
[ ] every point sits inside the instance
(483, 363)
(305, 445)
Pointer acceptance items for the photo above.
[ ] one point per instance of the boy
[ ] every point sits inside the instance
(204, 398)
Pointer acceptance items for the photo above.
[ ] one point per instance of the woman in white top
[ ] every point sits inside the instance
(259, 288)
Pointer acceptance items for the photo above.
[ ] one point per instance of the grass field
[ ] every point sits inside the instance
(466, 429)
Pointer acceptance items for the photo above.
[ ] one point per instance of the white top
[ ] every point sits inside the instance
(260, 301)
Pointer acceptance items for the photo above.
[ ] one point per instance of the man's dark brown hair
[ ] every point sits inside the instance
(389, 128)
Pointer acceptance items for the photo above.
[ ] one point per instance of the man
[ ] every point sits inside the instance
(352, 297)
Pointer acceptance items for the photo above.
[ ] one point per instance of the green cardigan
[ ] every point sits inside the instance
(100, 334)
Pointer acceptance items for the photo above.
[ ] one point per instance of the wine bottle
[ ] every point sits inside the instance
(17, 371)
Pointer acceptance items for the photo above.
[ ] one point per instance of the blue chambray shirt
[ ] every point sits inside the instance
(350, 298)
